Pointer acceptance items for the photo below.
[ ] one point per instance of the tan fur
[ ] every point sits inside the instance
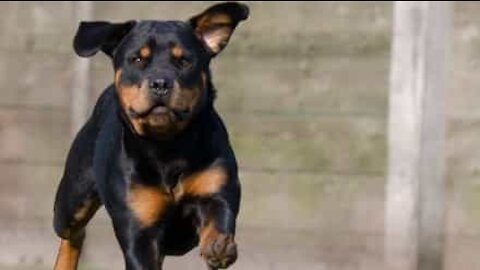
(202, 183)
(217, 38)
(177, 52)
(145, 52)
(211, 19)
(148, 203)
(208, 234)
(133, 97)
(67, 257)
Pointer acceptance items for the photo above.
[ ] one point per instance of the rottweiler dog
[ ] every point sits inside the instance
(154, 152)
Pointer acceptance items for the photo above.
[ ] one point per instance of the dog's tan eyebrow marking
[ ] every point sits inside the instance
(177, 51)
(145, 52)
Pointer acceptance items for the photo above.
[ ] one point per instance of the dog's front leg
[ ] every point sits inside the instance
(138, 244)
(214, 196)
(137, 222)
(216, 231)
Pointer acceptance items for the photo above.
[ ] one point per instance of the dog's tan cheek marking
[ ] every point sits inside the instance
(179, 98)
(188, 97)
(123, 93)
(203, 183)
(131, 97)
(127, 94)
(148, 204)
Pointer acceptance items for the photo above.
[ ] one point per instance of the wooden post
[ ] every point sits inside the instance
(415, 189)
(81, 81)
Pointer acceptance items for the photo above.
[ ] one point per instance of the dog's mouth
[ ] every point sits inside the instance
(157, 109)
(161, 110)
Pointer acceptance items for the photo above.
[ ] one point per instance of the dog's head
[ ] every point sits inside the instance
(162, 67)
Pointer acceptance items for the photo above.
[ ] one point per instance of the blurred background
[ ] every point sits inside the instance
(303, 89)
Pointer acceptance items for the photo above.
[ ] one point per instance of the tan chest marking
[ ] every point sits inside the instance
(148, 204)
(202, 183)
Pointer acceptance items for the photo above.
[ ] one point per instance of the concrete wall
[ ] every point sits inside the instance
(303, 88)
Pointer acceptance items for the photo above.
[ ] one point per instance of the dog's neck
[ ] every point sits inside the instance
(165, 160)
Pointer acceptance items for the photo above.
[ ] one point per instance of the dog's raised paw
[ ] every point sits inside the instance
(220, 252)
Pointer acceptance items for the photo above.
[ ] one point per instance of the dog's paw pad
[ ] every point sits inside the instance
(219, 253)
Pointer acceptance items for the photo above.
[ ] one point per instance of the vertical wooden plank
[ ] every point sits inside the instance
(416, 184)
(81, 81)
(432, 160)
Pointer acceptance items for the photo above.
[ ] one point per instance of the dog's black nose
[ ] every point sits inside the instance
(159, 87)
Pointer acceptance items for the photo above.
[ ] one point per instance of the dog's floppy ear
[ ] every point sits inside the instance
(94, 36)
(215, 25)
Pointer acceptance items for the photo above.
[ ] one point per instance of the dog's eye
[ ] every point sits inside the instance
(138, 61)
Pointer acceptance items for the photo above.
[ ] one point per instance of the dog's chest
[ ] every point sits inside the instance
(168, 175)
(150, 203)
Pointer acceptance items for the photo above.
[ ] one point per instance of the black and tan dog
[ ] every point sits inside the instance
(154, 152)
